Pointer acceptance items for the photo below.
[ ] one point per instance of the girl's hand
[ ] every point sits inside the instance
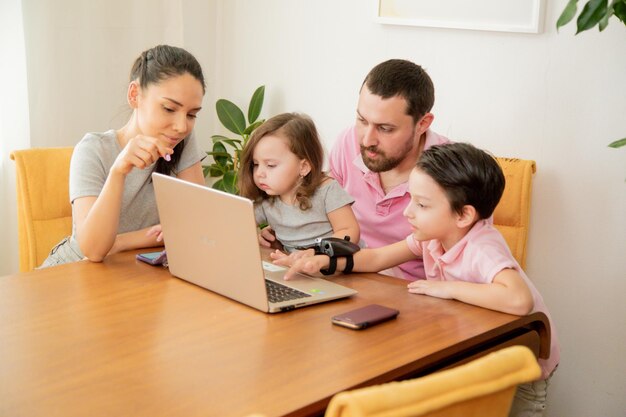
(439, 289)
(266, 237)
(141, 152)
(155, 231)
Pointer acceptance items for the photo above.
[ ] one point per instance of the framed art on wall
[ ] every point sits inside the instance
(494, 15)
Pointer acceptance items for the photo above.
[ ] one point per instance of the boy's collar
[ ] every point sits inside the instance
(436, 248)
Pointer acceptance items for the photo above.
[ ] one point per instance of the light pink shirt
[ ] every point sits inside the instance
(379, 215)
(479, 257)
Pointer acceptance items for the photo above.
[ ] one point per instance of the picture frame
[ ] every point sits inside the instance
(525, 16)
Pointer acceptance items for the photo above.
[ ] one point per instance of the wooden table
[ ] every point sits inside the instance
(124, 338)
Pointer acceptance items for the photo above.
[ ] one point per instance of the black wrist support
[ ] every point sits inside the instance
(332, 267)
(349, 264)
(335, 248)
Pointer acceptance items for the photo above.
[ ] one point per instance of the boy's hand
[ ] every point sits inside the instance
(439, 289)
(286, 260)
(304, 263)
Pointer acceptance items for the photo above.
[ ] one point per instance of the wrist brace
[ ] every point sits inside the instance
(334, 248)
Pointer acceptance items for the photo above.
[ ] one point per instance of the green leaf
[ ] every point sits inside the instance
(618, 143)
(256, 104)
(219, 185)
(593, 11)
(620, 10)
(214, 154)
(205, 170)
(253, 126)
(230, 182)
(218, 138)
(219, 154)
(231, 116)
(567, 15)
(216, 171)
(604, 22)
(235, 143)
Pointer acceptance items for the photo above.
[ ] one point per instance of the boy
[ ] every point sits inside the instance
(454, 190)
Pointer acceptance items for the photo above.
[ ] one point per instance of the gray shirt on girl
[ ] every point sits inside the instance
(295, 227)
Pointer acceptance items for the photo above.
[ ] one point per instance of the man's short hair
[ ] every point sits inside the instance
(468, 175)
(398, 77)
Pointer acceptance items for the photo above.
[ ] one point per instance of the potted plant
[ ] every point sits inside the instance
(226, 164)
(595, 12)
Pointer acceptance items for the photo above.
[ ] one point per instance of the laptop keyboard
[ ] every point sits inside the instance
(278, 292)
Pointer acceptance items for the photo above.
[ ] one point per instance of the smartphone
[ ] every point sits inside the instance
(153, 258)
(365, 316)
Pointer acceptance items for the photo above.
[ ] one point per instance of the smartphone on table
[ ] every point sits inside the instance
(365, 316)
(153, 258)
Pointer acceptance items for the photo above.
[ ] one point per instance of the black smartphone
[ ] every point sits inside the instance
(153, 258)
(365, 316)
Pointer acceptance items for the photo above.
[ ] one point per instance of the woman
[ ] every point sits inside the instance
(111, 192)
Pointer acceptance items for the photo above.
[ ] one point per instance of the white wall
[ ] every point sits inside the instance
(14, 123)
(554, 98)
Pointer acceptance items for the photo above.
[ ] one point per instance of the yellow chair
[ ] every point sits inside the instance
(44, 211)
(483, 388)
(512, 215)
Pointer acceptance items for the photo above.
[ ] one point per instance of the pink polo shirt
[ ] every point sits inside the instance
(478, 257)
(379, 215)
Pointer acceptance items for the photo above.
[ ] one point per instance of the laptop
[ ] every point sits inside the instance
(211, 241)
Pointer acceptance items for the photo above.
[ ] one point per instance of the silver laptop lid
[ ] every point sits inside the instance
(211, 241)
(204, 240)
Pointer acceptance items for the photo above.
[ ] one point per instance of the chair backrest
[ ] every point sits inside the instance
(483, 387)
(512, 215)
(44, 211)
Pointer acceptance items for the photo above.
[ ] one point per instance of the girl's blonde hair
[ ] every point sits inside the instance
(303, 141)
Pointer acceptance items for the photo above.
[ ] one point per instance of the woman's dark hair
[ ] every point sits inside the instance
(399, 77)
(158, 64)
(301, 135)
(468, 175)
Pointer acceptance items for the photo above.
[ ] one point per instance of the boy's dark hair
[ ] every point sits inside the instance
(303, 140)
(468, 175)
(398, 77)
(158, 64)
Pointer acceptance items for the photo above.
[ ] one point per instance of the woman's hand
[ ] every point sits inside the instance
(141, 152)
(155, 231)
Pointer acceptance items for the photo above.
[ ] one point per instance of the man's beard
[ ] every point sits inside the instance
(383, 162)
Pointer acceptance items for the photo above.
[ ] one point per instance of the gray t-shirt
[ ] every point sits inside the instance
(91, 162)
(295, 227)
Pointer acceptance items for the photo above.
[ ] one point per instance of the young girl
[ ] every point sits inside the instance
(281, 171)
(454, 190)
(113, 204)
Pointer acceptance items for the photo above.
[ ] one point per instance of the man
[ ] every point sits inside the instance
(372, 160)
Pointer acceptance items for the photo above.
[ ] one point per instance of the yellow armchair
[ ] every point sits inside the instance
(512, 215)
(44, 211)
(482, 388)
